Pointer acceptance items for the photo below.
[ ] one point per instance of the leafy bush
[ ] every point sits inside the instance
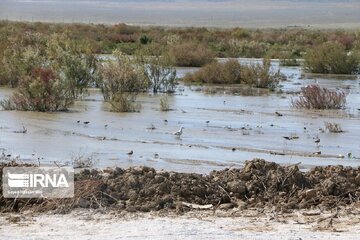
(190, 54)
(144, 39)
(157, 70)
(331, 58)
(72, 60)
(120, 82)
(50, 72)
(23, 53)
(316, 97)
(43, 90)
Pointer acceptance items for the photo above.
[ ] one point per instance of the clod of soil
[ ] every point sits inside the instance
(258, 184)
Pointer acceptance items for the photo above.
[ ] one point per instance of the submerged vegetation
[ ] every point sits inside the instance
(333, 127)
(51, 65)
(157, 69)
(258, 75)
(120, 83)
(164, 104)
(316, 97)
(122, 79)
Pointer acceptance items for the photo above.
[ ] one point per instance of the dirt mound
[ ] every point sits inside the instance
(258, 184)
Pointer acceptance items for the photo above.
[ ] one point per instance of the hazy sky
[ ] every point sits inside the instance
(218, 13)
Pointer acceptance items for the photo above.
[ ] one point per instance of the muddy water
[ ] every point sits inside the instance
(247, 123)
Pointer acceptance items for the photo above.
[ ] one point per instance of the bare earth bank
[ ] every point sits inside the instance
(234, 224)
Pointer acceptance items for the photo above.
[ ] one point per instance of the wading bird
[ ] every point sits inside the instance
(179, 133)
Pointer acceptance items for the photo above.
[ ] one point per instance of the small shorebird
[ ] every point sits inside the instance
(130, 153)
(86, 122)
(279, 114)
(78, 121)
(179, 133)
(317, 141)
(207, 123)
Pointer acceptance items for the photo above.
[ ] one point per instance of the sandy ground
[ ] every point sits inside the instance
(249, 224)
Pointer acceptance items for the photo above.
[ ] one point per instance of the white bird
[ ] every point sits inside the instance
(179, 133)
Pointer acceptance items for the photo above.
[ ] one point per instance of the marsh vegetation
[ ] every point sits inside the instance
(259, 75)
(316, 97)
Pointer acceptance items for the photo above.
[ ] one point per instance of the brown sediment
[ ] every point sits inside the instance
(258, 184)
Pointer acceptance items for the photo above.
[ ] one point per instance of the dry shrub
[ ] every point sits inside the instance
(124, 102)
(232, 72)
(331, 58)
(190, 54)
(84, 161)
(164, 104)
(316, 97)
(333, 127)
(261, 75)
(217, 73)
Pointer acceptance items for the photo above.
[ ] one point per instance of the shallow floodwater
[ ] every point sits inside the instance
(247, 123)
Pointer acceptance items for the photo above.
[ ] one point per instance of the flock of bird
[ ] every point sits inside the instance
(152, 127)
(179, 133)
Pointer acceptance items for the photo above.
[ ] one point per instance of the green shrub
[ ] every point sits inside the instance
(23, 53)
(50, 72)
(73, 60)
(190, 54)
(331, 58)
(157, 70)
(144, 39)
(43, 90)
